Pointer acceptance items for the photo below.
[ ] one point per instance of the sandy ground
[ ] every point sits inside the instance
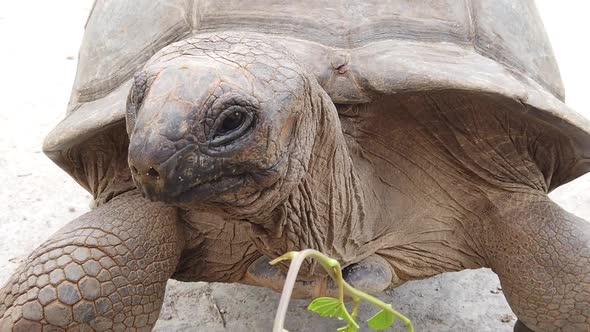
(37, 66)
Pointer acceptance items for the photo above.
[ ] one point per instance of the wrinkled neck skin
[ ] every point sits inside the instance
(325, 210)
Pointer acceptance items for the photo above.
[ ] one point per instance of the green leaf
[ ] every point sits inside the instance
(332, 307)
(381, 320)
(325, 306)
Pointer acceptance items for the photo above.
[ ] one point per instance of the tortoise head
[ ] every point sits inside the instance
(218, 122)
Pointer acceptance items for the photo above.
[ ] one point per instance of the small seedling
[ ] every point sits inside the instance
(330, 306)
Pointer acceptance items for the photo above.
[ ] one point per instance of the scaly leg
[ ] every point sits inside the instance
(106, 270)
(542, 256)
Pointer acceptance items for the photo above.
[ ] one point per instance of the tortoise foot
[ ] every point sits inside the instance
(371, 275)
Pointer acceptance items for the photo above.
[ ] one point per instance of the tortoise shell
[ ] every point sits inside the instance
(356, 50)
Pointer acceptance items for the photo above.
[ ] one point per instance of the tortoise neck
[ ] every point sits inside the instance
(326, 209)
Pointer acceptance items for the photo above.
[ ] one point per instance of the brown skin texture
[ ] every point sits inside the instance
(251, 157)
(542, 255)
(105, 270)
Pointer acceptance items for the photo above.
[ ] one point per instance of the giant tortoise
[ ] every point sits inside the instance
(403, 139)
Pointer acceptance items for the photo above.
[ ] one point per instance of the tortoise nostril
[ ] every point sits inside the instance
(153, 173)
(133, 169)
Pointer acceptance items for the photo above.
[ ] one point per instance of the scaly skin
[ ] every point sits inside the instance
(106, 270)
(542, 256)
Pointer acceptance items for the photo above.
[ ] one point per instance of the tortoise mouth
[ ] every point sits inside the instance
(200, 191)
(244, 189)
(190, 179)
(210, 188)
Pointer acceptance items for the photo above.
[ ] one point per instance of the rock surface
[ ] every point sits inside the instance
(37, 198)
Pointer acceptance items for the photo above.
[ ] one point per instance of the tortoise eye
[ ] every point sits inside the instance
(232, 122)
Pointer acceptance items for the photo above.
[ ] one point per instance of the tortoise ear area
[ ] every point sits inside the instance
(130, 114)
(135, 98)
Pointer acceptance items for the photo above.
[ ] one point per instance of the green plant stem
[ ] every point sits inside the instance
(333, 269)
(297, 259)
(375, 301)
(355, 306)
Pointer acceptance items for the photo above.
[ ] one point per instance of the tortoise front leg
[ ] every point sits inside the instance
(106, 270)
(542, 256)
